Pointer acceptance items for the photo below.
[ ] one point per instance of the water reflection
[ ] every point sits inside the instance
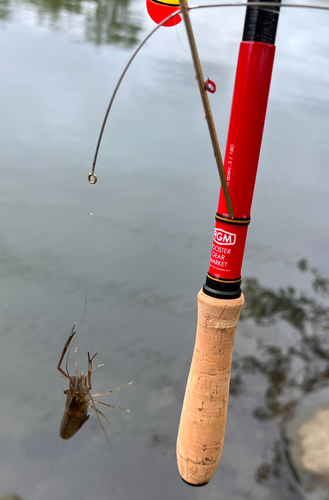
(111, 23)
(4, 9)
(291, 368)
(96, 21)
(11, 496)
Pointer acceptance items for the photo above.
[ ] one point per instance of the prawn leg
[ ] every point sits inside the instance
(90, 368)
(98, 411)
(110, 406)
(69, 340)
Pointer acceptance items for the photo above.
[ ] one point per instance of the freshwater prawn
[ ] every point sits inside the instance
(78, 396)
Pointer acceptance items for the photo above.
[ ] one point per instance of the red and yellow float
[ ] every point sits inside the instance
(158, 11)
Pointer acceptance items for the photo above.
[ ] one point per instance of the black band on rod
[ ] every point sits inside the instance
(261, 23)
(222, 288)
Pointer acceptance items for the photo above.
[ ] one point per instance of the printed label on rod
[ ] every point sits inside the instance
(227, 251)
(229, 164)
(224, 237)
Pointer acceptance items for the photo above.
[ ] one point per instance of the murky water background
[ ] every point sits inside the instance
(145, 250)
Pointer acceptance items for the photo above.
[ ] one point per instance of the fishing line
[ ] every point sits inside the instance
(181, 41)
(92, 178)
(86, 259)
(188, 54)
(86, 265)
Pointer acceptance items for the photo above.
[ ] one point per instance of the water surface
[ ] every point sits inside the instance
(145, 251)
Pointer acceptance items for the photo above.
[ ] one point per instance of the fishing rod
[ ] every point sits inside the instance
(220, 301)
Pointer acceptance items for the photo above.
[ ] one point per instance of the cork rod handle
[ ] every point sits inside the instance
(203, 418)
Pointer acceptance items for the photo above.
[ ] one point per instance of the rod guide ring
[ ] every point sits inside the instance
(92, 178)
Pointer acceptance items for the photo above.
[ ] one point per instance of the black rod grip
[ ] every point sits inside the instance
(261, 23)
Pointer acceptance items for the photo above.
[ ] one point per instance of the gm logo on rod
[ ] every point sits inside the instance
(224, 237)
